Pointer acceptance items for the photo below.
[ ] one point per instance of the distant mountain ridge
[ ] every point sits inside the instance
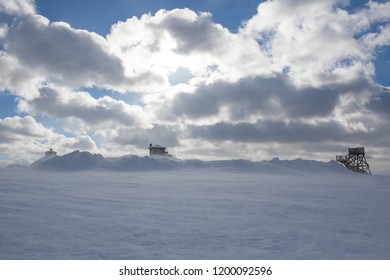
(81, 161)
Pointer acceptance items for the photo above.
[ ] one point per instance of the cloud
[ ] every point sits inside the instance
(378, 39)
(54, 52)
(271, 131)
(289, 133)
(191, 32)
(62, 103)
(300, 36)
(18, 128)
(162, 134)
(181, 38)
(17, 7)
(267, 97)
(21, 130)
(3, 30)
(145, 54)
(18, 79)
(377, 11)
(70, 57)
(380, 103)
(81, 142)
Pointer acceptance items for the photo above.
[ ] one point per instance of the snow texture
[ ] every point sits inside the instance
(200, 210)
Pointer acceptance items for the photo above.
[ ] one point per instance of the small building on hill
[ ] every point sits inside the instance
(50, 153)
(158, 150)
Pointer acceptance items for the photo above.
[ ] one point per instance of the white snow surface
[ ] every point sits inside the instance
(194, 213)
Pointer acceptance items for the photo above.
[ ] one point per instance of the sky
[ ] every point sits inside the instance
(209, 80)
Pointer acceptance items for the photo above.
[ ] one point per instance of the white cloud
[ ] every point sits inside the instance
(54, 52)
(314, 41)
(18, 128)
(17, 7)
(378, 11)
(102, 112)
(81, 142)
(3, 31)
(18, 79)
(180, 38)
(377, 39)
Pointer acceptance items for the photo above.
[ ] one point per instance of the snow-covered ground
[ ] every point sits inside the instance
(193, 213)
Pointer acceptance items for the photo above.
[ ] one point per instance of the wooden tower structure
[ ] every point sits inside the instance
(355, 160)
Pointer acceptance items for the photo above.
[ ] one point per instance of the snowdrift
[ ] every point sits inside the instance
(79, 161)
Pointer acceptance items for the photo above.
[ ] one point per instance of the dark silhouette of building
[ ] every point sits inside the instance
(157, 150)
(50, 153)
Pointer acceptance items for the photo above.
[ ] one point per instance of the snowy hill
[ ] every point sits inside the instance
(71, 162)
(78, 161)
(40, 162)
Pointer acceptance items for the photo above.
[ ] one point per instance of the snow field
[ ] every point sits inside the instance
(193, 214)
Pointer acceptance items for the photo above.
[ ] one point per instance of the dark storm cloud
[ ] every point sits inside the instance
(163, 134)
(5, 19)
(270, 131)
(292, 132)
(380, 103)
(267, 96)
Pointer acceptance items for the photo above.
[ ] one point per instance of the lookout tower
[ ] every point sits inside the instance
(355, 160)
